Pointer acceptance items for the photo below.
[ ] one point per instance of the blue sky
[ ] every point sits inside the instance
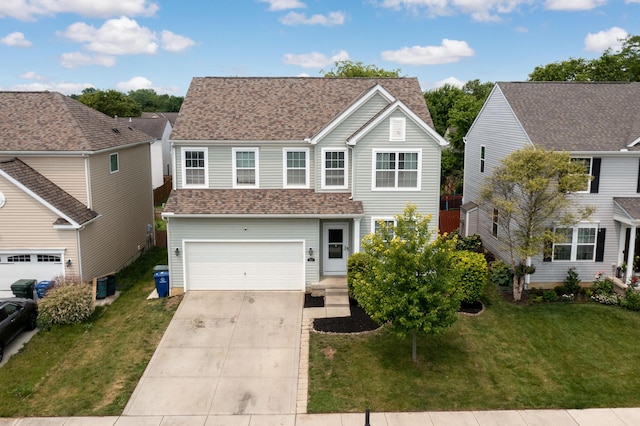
(67, 45)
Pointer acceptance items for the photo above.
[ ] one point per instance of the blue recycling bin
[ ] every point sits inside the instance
(162, 283)
(43, 287)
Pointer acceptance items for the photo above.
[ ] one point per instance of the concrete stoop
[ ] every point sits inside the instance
(336, 298)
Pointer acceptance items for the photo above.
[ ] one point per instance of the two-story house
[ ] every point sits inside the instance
(277, 180)
(599, 125)
(158, 126)
(75, 189)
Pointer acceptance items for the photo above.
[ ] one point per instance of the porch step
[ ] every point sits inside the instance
(336, 298)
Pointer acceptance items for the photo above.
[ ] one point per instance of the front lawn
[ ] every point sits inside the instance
(559, 355)
(90, 369)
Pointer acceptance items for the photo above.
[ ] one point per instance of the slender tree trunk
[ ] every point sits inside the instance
(518, 286)
(414, 351)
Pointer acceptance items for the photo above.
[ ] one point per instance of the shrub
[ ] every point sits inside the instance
(68, 302)
(606, 299)
(357, 265)
(572, 282)
(631, 300)
(603, 287)
(473, 273)
(500, 273)
(471, 243)
(550, 296)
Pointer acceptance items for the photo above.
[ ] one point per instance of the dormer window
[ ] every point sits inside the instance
(397, 129)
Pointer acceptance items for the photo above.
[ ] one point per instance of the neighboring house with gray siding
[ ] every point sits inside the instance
(598, 123)
(277, 180)
(75, 189)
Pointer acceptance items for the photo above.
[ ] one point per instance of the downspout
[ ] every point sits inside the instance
(174, 177)
(79, 253)
(353, 172)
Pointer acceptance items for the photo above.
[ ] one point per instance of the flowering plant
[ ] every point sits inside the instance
(634, 281)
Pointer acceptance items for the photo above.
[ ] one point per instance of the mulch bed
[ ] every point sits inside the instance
(313, 301)
(358, 322)
(472, 308)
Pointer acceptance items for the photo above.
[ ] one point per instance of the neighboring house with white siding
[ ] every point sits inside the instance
(597, 123)
(75, 189)
(158, 126)
(277, 180)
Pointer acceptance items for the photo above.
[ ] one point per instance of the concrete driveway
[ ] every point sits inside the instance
(225, 353)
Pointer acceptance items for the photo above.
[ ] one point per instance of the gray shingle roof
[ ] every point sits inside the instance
(273, 109)
(151, 126)
(48, 191)
(575, 116)
(49, 121)
(261, 202)
(631, 205)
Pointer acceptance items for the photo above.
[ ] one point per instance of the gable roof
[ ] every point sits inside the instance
(577, 116)
(279, 108)
(151, 126)
(52, 122)
(171, 116)
(69, 208)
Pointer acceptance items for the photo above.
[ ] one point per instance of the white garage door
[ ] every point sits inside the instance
(19, 265)
(255, 265)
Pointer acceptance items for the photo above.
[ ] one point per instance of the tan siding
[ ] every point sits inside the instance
(66, 172)
(124, 202)
(25, 223)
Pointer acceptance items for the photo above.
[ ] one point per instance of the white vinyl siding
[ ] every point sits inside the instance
(295, 168)
(334, 168)
(246, 169)
(195, 168)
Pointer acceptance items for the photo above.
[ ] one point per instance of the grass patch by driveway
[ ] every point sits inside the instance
(90, 369)
(509, 357)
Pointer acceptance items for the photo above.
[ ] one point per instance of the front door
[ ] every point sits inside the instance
(336, 248)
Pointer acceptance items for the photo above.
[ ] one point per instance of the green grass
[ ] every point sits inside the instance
(91, 368)
(509, 357)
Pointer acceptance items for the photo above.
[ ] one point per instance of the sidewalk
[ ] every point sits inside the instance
(588, 417)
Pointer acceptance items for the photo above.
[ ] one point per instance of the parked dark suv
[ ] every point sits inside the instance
(16, 315)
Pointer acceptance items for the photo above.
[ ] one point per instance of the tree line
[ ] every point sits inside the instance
(115, 103)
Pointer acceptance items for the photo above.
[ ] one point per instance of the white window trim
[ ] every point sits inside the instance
(323, 184)
(375, 219)
(397, 129)
(574, 243)
(588, 190)
(285, 169)
(184, 168)
(117, 161)
(483, 158)
(375, 152)
(235, 171)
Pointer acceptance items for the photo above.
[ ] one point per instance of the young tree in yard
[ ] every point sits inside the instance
(532, 190)
(409, 282)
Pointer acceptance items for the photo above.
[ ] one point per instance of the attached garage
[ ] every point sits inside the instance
(244, 265)
(20, 265)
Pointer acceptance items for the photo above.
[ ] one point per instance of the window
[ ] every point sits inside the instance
(494, 223)
(396, 170)
(587, 167)
(19, 258)
(114, 164)
(482, 154)
(573, 244)
(377, 222)
(334, 169)
(195, 168)
(48, 258)
(397, 129)
(296, 170)
(245, 167)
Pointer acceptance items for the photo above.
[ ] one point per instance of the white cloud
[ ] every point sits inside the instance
(62, 87)
(449, 51)
(603, 40)
(140, 82)
(294, 18)
(573, 4)
(315, 59)
(32, 75)
(521, 30)
(452, 81)
(479, 10)
(122, 36)
(15, 40)
(29, 10)
(79, 59)
(175, 43)
(275, 5)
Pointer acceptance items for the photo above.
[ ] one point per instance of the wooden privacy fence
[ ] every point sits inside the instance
(161, 238)
(449, 216)
(161, 193)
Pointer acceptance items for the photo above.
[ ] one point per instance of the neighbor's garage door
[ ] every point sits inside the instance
(17, 266)
(263, 265)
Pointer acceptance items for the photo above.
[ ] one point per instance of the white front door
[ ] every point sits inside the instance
(336, 248)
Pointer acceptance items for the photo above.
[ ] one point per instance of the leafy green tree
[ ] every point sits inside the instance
(409, 281)
(110, 102)
(531, 189)
(358, 69)
(150, 101)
